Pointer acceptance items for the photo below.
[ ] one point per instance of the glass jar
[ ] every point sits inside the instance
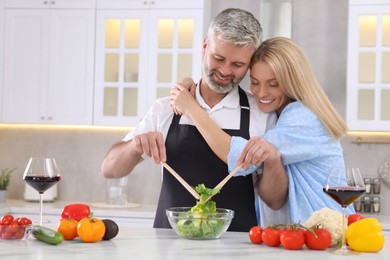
(376, 204)
(358, 205)
(366, 201)
(376, 186)
(367, 183)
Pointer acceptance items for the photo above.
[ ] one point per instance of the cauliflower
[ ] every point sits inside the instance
(330, 220)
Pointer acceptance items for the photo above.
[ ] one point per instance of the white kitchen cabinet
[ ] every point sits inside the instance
(140, 54)
(48, 64)
(157, 4)
(67, 4)
(368, 79)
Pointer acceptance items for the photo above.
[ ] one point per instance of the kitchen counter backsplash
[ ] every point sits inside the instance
(143, 187)
(79, 154)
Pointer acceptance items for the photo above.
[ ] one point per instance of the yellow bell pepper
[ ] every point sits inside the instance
(365, 235)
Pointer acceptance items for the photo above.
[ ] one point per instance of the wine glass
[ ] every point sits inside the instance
(344, 186)
(41, 174)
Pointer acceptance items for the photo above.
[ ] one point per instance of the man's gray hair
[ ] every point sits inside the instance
(236, 26)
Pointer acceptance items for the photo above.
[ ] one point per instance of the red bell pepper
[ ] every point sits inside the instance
(75, 211)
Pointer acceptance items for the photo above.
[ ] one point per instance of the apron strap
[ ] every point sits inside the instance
(245, 109)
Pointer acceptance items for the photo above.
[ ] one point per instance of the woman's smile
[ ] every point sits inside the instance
(265, 101)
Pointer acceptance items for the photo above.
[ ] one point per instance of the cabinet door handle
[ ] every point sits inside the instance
(152, 2)
(49, 118)
(42, 118)
(53, 2)
(145, 2)
(45, 2)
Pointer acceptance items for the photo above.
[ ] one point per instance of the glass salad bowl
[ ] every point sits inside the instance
(199, 226)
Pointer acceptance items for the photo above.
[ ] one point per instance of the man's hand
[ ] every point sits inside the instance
(152, 144)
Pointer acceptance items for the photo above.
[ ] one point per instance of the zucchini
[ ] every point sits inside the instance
(47, 235)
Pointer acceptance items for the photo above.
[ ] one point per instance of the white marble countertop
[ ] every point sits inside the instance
(149, 243)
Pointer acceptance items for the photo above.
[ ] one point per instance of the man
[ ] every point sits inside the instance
(232, 38)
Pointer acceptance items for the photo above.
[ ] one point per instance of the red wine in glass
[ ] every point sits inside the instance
(41, 183)
(344, 187)
(41, 174)
(344, 195)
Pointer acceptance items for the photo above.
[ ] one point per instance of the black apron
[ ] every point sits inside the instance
(191, 157)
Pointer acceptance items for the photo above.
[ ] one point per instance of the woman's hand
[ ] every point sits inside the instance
(182, 100)
(257, 151)
(186, 83)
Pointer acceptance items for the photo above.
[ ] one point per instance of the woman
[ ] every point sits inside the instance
(306, 134)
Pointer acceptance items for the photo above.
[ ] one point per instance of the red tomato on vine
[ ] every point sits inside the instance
(321, 242)
(271, 236)
(292, 238)
(255, 235)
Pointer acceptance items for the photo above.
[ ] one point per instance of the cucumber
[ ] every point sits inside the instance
(47, 235)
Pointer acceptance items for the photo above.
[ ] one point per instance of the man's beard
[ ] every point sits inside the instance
(208, 77)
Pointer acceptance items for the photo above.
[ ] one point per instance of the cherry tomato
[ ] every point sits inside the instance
(68, 228)
(255, 235)
(19, 234)
(353, 218)
(292, 238)
(91, 229)
(7, 219)
(24, 221)
(13, 227)
(321, 242)
(271, 236)
(7, 235)
(75, 211)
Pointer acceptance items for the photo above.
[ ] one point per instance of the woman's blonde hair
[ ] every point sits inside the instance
(297, 80)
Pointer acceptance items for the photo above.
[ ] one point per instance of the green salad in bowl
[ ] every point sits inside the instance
(202, 221)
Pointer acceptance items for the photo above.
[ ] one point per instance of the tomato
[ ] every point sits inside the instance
(271, 236)
(255, 235)
(19, 234)
(91, 229)
(321, 242)
(353, 218)
(7, 219)
(292, 238)
(7, 235)
(75, 211)
(68, 228)
(24, 221)
(13, 227)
